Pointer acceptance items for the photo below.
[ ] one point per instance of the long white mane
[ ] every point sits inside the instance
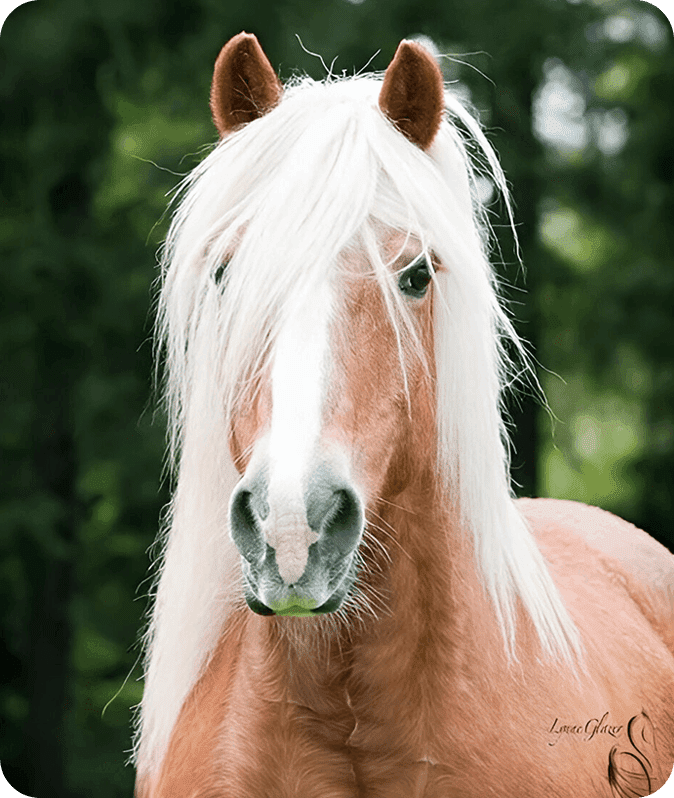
(278, 202)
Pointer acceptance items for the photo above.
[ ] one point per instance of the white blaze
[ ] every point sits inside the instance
(298, 380)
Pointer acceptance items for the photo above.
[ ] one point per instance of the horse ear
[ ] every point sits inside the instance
(412, 96)
(244, 85)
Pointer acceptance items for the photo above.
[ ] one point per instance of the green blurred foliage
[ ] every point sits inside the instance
(105, 107)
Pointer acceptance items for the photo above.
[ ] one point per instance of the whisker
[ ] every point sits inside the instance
(392, 537)
(370, 539)
(397, 506)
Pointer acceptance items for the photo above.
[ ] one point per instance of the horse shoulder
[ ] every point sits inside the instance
(575, 536)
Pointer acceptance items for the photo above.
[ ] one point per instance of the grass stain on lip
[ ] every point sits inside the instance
(295, 606)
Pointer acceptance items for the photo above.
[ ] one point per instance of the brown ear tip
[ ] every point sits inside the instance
(414, 51)
(243, 43)
(415, 47)
(240, 38)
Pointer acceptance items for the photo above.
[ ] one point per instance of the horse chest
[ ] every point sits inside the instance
(240, 737)
(595, 757)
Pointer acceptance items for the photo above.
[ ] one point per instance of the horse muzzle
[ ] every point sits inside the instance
(298, 547)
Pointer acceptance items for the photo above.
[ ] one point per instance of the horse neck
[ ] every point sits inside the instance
(429, 573)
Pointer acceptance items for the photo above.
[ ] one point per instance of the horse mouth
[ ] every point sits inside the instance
(299, 603)
(294, 610)
(294, 605)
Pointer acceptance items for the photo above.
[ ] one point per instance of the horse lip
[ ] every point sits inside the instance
(258, 607)
(284, 609)
(296, 606)
(293, 604)
(295, 612)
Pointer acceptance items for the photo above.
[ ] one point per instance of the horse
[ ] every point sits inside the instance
(351, 602)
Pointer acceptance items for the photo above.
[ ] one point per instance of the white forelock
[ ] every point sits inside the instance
(278, 202)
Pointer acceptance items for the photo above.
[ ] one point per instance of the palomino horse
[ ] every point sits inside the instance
(351, 603)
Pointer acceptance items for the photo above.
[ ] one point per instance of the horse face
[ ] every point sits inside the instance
(330, 431)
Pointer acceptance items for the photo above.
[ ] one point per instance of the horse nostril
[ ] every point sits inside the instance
(344, 511)
(246, 515)
(343, 521)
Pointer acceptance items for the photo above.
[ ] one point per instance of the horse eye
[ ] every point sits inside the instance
(416, 277)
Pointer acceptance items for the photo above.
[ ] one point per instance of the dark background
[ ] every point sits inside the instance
(102, 103)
